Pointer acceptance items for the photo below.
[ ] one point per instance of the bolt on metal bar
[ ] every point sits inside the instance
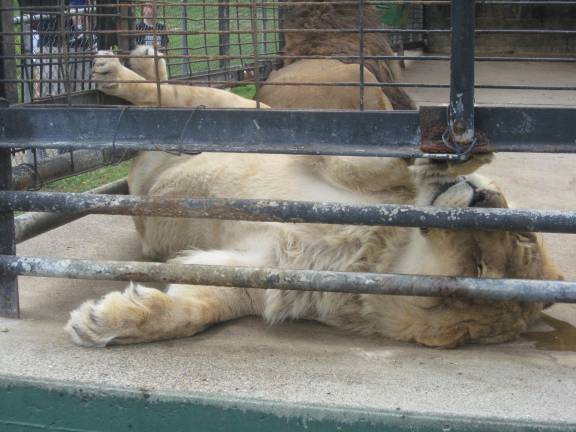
(461, 109)
(294, 280)
(294, 211)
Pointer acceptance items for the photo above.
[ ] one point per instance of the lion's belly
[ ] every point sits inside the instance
(219, 175)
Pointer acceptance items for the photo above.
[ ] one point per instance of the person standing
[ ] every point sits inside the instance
(149, 25)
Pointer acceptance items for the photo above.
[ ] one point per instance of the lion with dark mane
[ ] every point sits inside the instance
(141, 314)
(316, 30)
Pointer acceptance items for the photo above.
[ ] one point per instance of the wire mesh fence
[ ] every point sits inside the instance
(49, 46)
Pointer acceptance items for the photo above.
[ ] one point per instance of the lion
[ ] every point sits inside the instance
(144, 314)
(343, 67)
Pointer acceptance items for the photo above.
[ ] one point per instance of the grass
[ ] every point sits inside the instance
(205, 19)
(90, 180)
(247, 91)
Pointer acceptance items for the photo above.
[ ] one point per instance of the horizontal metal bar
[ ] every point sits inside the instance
(294, 211)
(241, 131)
(308, 84)
(240, 4)
(30, 225)
(353, 133)
(30, 175)
(187, 57)
(137, 33)
(295, 280)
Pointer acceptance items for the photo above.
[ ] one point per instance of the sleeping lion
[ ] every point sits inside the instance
(143, 314)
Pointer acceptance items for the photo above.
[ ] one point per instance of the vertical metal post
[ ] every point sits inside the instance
(461, 111)
(256, 49)
(280, 26)
(224, 37)
(186, 68)
(8, 284)
(126, 26)
(8, 91)
(361, 50)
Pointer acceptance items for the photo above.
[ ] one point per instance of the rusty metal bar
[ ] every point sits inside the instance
(352, 2)
(126, 27)
(8, 81)
(222, 57)
(461, 109)
(9, 306)
(34, 175)
(30, 225)
(8, 283)
(368, 133)
(294, 211)
(295, 280)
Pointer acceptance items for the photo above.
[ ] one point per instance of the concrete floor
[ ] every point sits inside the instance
(307, 363)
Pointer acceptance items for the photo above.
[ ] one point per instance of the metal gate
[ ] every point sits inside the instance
(229, 44)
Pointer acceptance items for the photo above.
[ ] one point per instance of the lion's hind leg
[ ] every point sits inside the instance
(142, 314)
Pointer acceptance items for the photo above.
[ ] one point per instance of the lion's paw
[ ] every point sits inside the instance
(119, 317)
(148, 63)
(428, 171)
(471, 191)
(106, 71)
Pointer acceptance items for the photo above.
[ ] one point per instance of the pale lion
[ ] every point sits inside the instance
(142, 314)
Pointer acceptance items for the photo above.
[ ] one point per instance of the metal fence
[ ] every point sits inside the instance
(232, 44)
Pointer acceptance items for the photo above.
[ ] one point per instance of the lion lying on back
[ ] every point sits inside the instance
(141, 314)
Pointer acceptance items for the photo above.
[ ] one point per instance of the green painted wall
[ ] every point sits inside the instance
(59, 407)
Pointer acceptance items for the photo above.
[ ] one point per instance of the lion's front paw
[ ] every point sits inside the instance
(106, 71)
(119, 317)
(426, 171)
(470, 191)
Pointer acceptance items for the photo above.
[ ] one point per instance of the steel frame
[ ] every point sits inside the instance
(451, 133)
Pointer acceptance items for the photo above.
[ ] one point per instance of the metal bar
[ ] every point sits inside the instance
(133, 33)
(255, 49)
(186, 69)
(9, 306)
(126, 27)
(294, 280)
(371, 2)
(370, 133)
(88, 56)
(30, 225)
(294, 211)
(361, 52)
(259, 131)
(8, 283)
(8, 82)
(461, 109)
(194, 80)
(224, 36)
(26, 176)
